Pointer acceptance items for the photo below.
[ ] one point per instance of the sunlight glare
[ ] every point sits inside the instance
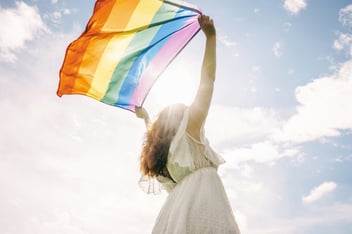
(178, 84)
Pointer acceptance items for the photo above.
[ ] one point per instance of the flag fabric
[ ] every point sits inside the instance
(125, 47)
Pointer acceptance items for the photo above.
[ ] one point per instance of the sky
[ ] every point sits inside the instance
(281, 117)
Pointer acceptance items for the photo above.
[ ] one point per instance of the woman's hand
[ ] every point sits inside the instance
(207, 25)
(143, 114)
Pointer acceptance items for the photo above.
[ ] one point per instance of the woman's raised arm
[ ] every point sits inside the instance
(200, 106)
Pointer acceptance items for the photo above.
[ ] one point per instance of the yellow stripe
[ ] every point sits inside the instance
(120, 15)
(131, 14)
(143, 14)
(113, 53)
(116, 47)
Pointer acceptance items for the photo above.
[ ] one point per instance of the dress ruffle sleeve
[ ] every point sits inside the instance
(180, 152)
(150, 185)
(214, 157)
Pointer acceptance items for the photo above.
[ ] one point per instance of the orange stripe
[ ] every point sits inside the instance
(69, 73)
(102, 11)
(90, 62)
(105, 12)
(90, 54)
(122, 12)
(70, 67)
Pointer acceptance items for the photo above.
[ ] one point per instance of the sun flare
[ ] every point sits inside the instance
(174, 86)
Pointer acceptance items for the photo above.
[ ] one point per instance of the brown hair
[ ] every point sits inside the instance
(156, 146)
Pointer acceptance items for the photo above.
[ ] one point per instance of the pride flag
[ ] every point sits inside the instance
(125, 47)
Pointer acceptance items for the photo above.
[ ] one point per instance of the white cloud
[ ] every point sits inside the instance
(226, 41)
(323, 110)
(253, 89)
(17, 26)
(295, 6)
(256, 69)
(290, 72)
(236, 55)
(287, 26)
(72, 161)
(277, 49)
(246, 135)
(315, 219)
(57, 15)
(262, 152)
(344, 42)
(67, 11)
(319, 192)
(345, 16)
(240, 125)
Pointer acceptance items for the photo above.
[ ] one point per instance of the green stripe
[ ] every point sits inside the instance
(141, 40)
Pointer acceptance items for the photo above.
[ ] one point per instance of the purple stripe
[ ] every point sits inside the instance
(175, 44)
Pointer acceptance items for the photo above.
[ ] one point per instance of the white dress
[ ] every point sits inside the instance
(197, 202)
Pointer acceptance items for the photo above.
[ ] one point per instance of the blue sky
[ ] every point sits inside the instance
(281, 118)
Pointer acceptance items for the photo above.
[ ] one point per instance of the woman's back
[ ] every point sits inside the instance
(187, 155)
(197, 202)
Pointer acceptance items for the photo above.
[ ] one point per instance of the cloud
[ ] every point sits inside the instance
(287, 26)
(344, 42)
(239, 125)
(345, 16)
(261, 152)
(226, 41)
(18, 25)
(246, 135)
(323, 110)
(319, 192)
(260, 135)
(277, 49)
(290, 72)
(56, 16)
(72, 161)
(295, 6)
(317, 218)
(256, 69)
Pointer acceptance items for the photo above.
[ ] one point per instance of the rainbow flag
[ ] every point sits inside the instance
(125, 47)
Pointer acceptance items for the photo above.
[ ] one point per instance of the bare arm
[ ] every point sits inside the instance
(200, 106)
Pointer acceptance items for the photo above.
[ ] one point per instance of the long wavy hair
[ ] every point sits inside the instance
(157, 141)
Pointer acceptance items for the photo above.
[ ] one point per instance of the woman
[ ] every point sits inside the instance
(177, 154)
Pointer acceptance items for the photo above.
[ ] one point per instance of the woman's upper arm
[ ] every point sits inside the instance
(199, 109)
(200, 106)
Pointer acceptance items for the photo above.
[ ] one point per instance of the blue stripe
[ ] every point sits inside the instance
(147, 55)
